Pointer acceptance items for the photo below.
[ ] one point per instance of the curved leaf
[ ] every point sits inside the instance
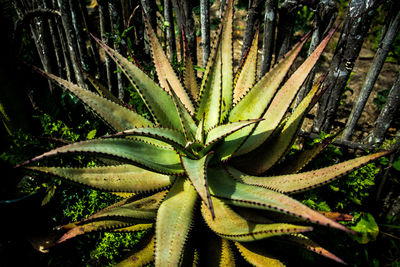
(174, 219)
(304, 157)
(224, 130)
(256, 255)
(216, 90)
(159, 159)
(292, 183)
(188, 125)
(279, 105)
(272, 150)
(157, 100)
(246, 75)
(196, 170)
(308, 244)
(119, 178)
(243, 195)
(227, 60)
(255, 102)
(142, 254)
(216, 251)
(211, 91)
(134, 228)
(227, 257)
(117, 116)
(169, 136)
(103, 224)
(165, 73)
(189, 74)
(230, 225)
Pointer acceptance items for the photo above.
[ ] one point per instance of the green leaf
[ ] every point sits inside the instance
(310, 245)
(230, 225)
(130, 214)
(91, 134)
(396, 164)
(142, 254)
(292, 183)
(118, 117)
(158, 101)
(165, 73)
(304, 157)
(211, 92)
(174, 219)
(159, 159)
(49, 194)
(195, 169)
(254, 103)
(281, 102)
(256, 255)
(217, 251)
(242, 195)
(217, 85)
(224, 130)
(246, 75)
(104, 224)
(101, 89)
(272, 150)
(169, 136)
(227, 60)
(189, 75)
(119, 178)
(366, 228)
(188, 125)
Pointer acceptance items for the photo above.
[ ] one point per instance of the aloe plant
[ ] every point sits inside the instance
(207, 152)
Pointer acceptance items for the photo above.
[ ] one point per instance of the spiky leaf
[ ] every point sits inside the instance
(257, 255)
(226, 188)
(157, 100)
(174, 218)
(292, 183)
(169, 136)
(239, 229)
(279, 105)
(271, 151)
(117, 116)
(137, 152)
(196, 170)
(165, 73)
(246, 75)
(142, 254)
(119, 178)
(255, 102)
(308, 244)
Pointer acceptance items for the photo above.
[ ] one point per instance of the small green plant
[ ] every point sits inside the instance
(202, 169)
(381, 98)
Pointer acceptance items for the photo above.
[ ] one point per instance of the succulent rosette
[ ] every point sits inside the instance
(202, 158)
